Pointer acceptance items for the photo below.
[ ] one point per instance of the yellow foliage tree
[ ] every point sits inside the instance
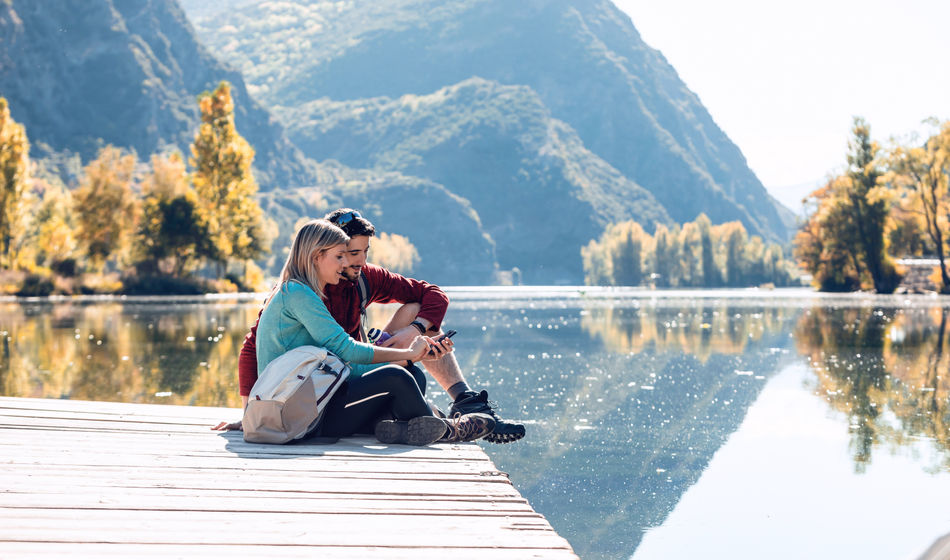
(224, 182)
(105, 206)
(924, 171)
(394, 252)
(56, 242)
(14, 176)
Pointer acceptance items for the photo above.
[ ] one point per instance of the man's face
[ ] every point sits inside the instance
(356, 251)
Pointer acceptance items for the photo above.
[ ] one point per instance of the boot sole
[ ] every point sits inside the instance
(421, 430)
(424, 430)
(505, 432)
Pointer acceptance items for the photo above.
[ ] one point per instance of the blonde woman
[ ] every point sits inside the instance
(385, 399)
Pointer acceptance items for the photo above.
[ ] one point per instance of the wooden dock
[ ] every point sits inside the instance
(94, 479)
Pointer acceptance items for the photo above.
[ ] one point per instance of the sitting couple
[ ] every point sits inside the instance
(320, 300)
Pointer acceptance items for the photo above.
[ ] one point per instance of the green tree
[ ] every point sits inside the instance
(172, 234)
(224, 182)
(733, 238)
(666, 257)
(711, 276)
(14, 176)
(866, 206)
(627, 256)
(105, 206)
(691, 264)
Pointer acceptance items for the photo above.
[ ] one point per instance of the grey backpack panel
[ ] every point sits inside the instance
(290, 395)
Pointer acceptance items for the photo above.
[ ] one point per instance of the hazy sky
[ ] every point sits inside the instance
(783, 79)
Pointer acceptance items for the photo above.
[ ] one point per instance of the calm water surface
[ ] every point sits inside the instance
(661, 425)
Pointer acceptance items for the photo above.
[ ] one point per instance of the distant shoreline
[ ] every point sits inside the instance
(543, 293)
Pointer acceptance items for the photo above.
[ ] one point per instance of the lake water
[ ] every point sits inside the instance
(731, 424)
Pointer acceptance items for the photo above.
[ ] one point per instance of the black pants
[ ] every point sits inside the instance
(387, 392)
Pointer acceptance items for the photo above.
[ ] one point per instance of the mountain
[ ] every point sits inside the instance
(80, 75)
(583, 58)
(499, 149)
(454, 249)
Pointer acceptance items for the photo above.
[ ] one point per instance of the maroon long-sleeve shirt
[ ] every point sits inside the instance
(343, 301)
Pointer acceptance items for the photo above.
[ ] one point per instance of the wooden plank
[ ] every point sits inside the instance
(224, 463)
(282, 552)
(228, 527)
(113, 479)
(230, 443)
(122, 498)
(161, 410)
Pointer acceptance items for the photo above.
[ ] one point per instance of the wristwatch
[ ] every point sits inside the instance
(418, 324)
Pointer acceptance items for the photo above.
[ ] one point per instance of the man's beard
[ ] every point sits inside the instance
(350, 274)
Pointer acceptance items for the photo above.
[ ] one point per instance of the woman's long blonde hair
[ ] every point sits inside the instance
(312, 239)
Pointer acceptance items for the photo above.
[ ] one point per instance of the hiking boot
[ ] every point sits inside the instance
(421, 430)
(471, 402)
(467, 427)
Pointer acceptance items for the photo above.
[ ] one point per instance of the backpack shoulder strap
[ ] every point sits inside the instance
(362, 288)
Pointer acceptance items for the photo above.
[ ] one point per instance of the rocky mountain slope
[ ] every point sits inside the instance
(583, 58)
(80, 75)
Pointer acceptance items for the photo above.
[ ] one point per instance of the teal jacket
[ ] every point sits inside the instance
(296, 316)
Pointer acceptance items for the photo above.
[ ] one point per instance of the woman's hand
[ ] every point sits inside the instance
(439, 348)
(226, 426)
(419, 348)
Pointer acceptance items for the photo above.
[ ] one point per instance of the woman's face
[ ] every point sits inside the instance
(330, 264)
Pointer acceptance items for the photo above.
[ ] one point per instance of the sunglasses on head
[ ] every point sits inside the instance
(344, 219)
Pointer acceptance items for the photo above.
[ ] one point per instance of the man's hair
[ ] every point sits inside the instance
(354, 224)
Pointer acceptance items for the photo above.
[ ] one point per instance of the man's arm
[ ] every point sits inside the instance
(247, 362)
(389, 287)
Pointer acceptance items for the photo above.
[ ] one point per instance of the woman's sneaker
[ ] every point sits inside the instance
(421, 430)
(467, 427)
(471, 402)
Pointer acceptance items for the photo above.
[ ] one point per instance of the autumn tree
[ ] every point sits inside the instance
(54, 240)
(924, 171)
(172, 234)
(224, 182)
(823, 245)
(14, 176)
(684, 256)
(395, 252)
(105, 206)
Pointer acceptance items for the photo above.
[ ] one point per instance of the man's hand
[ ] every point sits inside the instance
(402, 338)
(226, 426)
(438, 349)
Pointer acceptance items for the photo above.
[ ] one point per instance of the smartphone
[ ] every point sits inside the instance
(448, 334)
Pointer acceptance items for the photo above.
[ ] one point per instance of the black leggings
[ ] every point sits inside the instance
(387, 392)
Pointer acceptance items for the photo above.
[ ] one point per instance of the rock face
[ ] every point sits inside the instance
(583, 58)
(127, 73)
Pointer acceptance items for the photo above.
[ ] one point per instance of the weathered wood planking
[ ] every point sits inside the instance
(90, 479)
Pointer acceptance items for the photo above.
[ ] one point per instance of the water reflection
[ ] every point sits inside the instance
(628, 404)
(627, 400)
(887, 370)
(168, 353)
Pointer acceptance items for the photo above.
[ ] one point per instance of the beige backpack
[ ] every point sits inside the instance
(288, 399)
